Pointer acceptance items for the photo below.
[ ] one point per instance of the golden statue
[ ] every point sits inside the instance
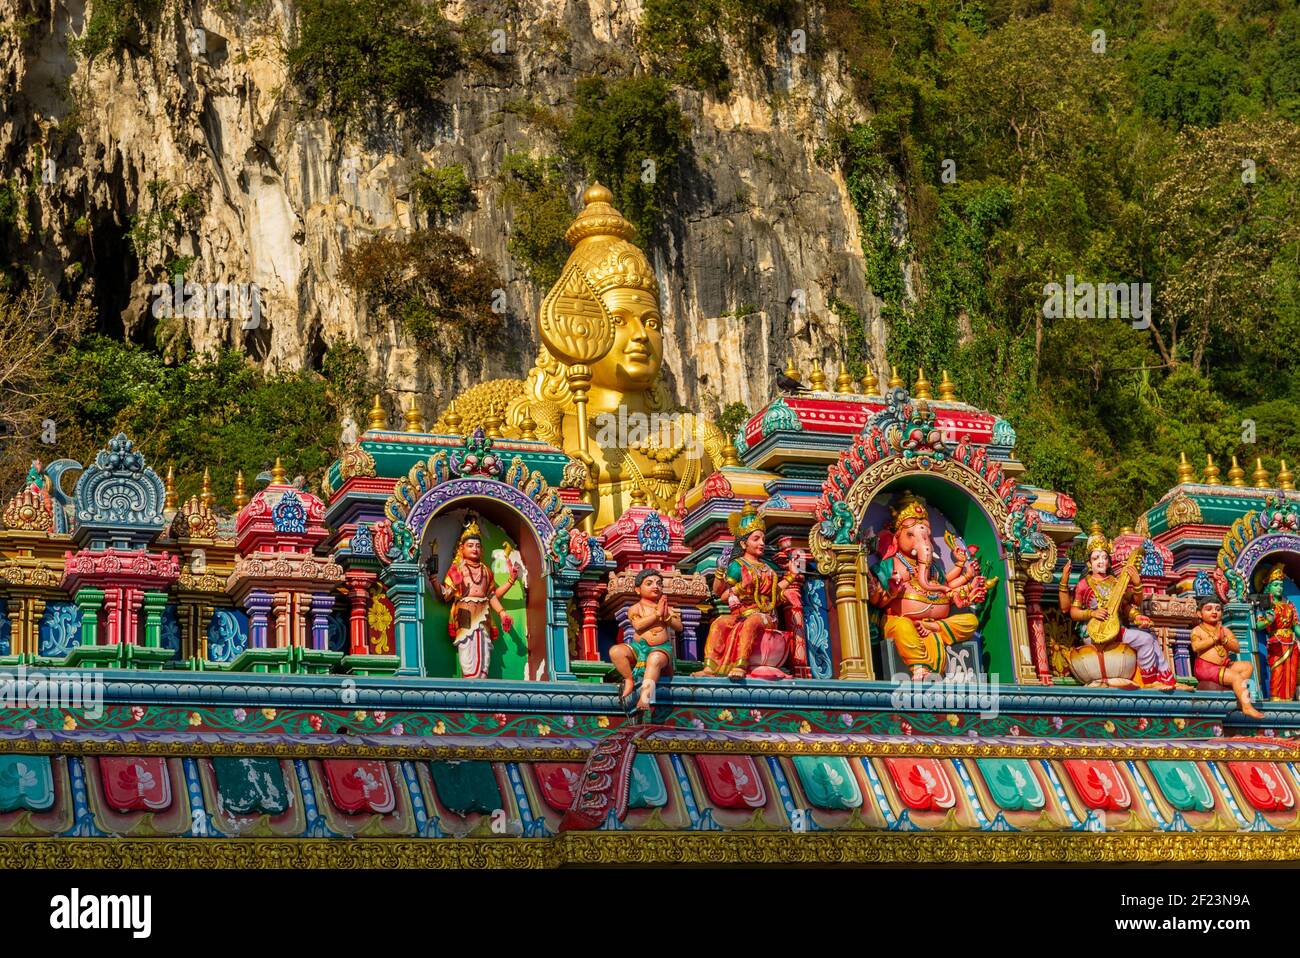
(594, 390)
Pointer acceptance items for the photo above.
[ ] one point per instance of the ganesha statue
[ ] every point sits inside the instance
(748, 642)
(927, 610)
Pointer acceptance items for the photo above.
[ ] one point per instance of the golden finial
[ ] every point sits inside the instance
(921, 388)
(169, 499)
(206, 496)
(947, 388)
(1285, 480)
(791, 371)
(453, 421)
(638, 494)
(277, 473)
(870, 384)
(492, 421)
(1260, 475)
(817, 378)
(377, 418)
(843, 382)
(1126, 530)
(895, 380)
(241, 495)
(414, 421)
(1211, 473)
(528, 427)
(1185, 471)
(730, 454)
(1236, 475)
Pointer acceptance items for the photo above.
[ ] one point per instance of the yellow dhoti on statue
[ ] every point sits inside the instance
(931, 650)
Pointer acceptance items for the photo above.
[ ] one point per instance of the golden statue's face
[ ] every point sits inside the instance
(632, 363)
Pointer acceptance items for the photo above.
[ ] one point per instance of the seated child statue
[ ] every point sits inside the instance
(650, 652)
(1213, 644)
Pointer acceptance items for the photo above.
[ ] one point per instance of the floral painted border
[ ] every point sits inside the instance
(305, 721)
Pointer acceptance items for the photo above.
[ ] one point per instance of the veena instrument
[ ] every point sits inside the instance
(1101, 631)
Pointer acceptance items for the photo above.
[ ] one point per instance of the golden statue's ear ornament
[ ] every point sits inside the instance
(575, 326)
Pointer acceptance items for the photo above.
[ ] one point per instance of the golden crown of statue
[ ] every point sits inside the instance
(1097, 539)
(471, 531)
(602, 246)
(745, 521)
(1277, 573)
(909, 508)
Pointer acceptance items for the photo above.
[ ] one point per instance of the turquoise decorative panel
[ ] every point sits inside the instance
(26, 781)
(647, 788)
(60, 629)
(828, 781)
(1012, 783)
(1183, 785)
(227, 635)
(251, 786)
(817, 630)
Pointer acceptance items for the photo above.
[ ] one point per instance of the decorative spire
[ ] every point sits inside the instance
(377, 418)
(1260, 475)
(895, 380)
(921, 388)
(1211, 473)
(206, 496)
(791, 371)
(1236, 475)
(1285, 480)
(241, 494)
(414, 421)
(638, 494)
(870, 384)
(844, 382)
(528, 427)
(169, 496)
(493, 421)
(1185, 471)
(730, 454)
(277, 473)
(817, 378)
(453, 421)
(947, 388)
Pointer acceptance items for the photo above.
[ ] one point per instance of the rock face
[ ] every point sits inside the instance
(760, 235)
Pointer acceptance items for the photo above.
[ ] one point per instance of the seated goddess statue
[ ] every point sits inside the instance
(608, 283)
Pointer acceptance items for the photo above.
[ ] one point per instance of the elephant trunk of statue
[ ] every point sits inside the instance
(924, 553)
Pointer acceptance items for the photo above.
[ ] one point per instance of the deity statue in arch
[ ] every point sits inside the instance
(471, 588)
(1281, 629)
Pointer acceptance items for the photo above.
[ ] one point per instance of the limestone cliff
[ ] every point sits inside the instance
(756, 213)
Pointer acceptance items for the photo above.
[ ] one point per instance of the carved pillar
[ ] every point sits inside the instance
(589, 596)
(321, 605)
(113, 617)
(690, 649)
(560, 585)
(153, 603)
(855, 637)
(406, 591)
(1037, 632)
(25, 614)
(359, 583)
(1240, 618)
(133, 600)
(282, 604)
(258, 607)
(199, 645)
(88, 601)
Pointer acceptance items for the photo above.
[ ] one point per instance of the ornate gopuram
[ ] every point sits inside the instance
(566, 625)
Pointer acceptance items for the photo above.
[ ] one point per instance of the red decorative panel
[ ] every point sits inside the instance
(1263, 784)
(558, 782)
(360, 786)
(922, 783)
(136, 784)
(1099, 783)
(732, 781)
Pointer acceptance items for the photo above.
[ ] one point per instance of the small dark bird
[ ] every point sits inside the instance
(788, 385)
